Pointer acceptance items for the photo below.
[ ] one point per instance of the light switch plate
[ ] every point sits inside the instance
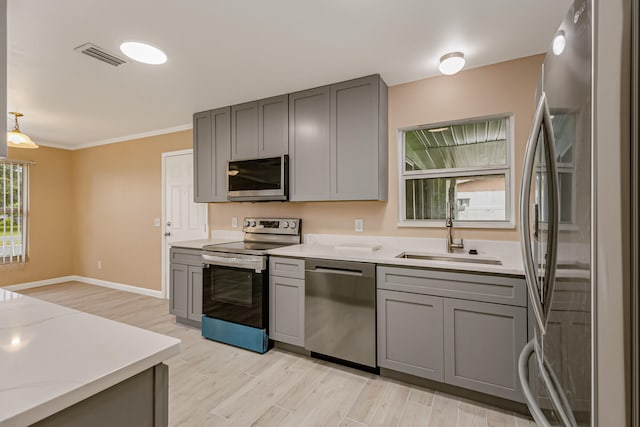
(359, 223)
(234, 222)
(156, 222)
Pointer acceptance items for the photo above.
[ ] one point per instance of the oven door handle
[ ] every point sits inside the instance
(257, 264)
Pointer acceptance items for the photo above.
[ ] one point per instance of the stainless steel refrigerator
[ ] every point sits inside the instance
(555, 367)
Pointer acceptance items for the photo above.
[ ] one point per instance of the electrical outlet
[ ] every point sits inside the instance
(359, 223)
(99, 264)
(234, 222)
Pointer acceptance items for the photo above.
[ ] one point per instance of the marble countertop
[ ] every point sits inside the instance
(52, 357)
(385, 249)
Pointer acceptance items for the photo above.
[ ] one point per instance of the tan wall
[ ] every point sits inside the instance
(115, 189)
(118, 193)
(51, 234)
(508, 87)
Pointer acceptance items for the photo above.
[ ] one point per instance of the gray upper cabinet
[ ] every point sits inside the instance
(260, 129)
(336, 137)
(309, 145)
(273, 126)
(359, 159)
(338, 141)
(211, 152)
(244, 131)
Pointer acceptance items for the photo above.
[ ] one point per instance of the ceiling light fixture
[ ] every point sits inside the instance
(451, 63)
(144, 53)
(17, 139)
(559, 43)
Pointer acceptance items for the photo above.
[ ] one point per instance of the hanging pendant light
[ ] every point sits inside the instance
(17, 139)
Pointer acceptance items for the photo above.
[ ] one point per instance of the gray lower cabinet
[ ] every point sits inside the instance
(286, 300)
(185, 281)
(482, 342)
(141, 400)
(194, 293)
(178, 298)
(410, 334)
(461, 328)
(211, 152)
(260, 129)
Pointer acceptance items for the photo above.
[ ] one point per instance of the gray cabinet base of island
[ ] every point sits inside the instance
(139, 401)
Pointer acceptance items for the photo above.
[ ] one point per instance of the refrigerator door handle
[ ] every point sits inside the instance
(523, 373)
(525, 215)
(554, 213)
(551, 382)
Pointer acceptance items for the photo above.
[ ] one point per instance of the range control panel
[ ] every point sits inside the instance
(272, 225)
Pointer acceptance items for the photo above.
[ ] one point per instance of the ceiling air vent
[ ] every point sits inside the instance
(100, 54)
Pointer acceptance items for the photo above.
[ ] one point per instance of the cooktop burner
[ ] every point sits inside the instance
(261, 235)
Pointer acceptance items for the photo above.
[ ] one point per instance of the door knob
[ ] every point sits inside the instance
(167, 234)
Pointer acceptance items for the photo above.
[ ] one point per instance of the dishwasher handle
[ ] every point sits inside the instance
(341, 271)
(343, 268)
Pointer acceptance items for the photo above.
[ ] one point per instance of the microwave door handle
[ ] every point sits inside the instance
(525, 216)
(554, 214)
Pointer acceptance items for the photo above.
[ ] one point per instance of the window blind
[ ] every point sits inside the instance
(14, 211)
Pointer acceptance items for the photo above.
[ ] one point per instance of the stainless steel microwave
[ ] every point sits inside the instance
(258, 180)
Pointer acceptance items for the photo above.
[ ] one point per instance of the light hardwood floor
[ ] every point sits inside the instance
(212, 384)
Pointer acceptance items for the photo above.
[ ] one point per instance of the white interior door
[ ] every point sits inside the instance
(182, 218)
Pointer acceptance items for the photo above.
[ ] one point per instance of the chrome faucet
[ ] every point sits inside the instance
(451, 244)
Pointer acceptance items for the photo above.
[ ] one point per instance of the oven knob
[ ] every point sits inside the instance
(285, 224)
(253, 223)
(246, 223)
(292, 224)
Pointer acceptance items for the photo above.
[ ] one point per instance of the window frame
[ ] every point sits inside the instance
(508, 170)
(25, 214)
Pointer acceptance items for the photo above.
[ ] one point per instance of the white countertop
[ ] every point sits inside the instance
(198, 244)
(217, 237)
(362, 249)
(52, 357)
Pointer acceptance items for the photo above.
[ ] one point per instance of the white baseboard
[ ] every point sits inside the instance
(39, 283)
(89, 281)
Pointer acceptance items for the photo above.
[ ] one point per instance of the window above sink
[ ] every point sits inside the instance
(467, 163)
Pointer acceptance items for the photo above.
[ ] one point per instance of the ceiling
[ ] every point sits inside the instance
(223, 52)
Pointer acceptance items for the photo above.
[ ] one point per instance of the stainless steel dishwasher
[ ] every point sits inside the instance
(340, 310)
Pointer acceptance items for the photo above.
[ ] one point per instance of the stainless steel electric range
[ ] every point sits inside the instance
(235, 294)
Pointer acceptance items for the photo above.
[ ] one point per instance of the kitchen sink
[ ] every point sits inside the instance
(474, 259)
